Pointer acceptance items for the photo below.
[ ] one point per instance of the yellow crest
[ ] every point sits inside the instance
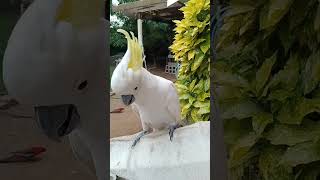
(80, 12)
(65, 10)
(135, 59)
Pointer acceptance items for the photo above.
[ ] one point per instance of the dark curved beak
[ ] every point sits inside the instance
(127, 99)
(57, 121)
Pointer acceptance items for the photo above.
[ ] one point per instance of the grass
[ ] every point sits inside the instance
(7, 23)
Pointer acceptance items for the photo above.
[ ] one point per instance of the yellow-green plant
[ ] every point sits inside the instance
(191, 48)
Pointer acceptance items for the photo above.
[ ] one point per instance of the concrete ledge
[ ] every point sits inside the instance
(155, 157)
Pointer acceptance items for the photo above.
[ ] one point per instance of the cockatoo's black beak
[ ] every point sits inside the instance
(57, 121)
(127, 99)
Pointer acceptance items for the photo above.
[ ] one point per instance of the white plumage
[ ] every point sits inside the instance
(157, 102)
(154, 99)
(57, 55)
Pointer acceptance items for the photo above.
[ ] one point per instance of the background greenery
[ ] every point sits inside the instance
(191, 48)
(157, 36)
(267, 72)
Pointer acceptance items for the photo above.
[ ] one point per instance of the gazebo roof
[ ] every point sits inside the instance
(156, 10)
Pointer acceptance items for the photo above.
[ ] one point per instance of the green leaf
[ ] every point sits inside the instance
(184, 96)
(260, 121)
(303, 153)
(234, 129)
(227, 78)
(263, 73)
(199, 104)
(241, 109)
(204, 96)
(181, 86)
(282, 134)
(299, 10)
(204, 110)
(205, 46)
(199, 41)
(247, 24)
(293, 112)
(229, 51)
(312, 73)
(207, 84)
(269, 164)
(192, 99)
(191, 54)
(275, 106)
(273, 12)
(268, 32)
(225, 93)
(199, 86)
(279, 95)
(309, 171)
(195, 115)
(288, 77)
(242, 146)
(239, 9)
(193, 83)
(244, 160)
(286, 37)
(198, 60)
(185, 108)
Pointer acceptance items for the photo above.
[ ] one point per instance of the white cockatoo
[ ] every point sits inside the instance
(56, 61)
(153, 98)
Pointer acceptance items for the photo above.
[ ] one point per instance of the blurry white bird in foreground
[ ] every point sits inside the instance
(56, 61)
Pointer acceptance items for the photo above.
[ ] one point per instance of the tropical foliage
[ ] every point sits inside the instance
(267, 72)
(191, 48)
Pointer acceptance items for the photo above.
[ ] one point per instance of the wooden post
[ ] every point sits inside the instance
(140, 37)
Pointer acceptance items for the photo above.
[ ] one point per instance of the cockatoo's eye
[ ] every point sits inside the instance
(81, 85)
(135, 88)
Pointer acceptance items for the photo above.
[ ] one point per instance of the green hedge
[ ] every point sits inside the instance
(191, 48)
(267, 72)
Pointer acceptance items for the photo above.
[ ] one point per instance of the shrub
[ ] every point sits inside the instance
(191, 48)
(267, 72)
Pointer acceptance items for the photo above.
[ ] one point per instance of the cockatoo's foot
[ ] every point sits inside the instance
(172, 128)
(138, 138)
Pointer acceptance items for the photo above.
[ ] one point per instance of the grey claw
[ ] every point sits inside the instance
(138, 138)
(172, 129)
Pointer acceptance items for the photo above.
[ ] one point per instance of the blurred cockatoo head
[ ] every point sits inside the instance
(59, 67)
(127, 76)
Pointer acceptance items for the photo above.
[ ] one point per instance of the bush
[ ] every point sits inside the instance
(191, 48)
(267, 72)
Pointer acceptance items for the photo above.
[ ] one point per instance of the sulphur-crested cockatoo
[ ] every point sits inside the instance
(56, 61)
(152, 97)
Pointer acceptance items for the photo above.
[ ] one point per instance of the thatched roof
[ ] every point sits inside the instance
(150, 9)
